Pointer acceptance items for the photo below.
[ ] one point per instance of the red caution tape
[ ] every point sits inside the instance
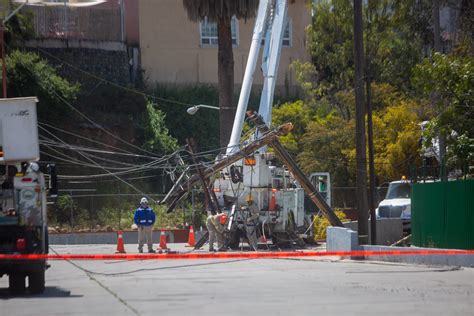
(235, 255)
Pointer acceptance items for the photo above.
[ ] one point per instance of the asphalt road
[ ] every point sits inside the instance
(325, 286)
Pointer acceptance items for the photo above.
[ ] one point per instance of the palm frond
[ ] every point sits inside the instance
(215, 9)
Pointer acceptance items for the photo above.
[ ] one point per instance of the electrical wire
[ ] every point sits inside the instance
(84, 150)
(100, 127)
(90, 120)
(113, 83)
(124, 152)
(147, 165)
(150, 165)
(125, 182)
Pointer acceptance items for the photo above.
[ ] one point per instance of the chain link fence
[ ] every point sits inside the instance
(94, 23)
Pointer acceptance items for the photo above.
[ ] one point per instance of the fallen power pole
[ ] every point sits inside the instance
(209, 195)
(179, 190)
(281, 152)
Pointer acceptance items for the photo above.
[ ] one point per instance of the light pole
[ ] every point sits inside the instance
(192, 110)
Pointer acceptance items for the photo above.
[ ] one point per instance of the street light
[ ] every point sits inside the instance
(192, 110)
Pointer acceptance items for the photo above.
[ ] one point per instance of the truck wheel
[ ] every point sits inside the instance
(36, 282)
(16, 283)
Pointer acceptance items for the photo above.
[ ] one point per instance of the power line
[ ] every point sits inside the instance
(127, 183)
(100, 127)
(81, 149)
(78, 161)
(108, 180)
(112, 83)
(90, 120)
(125, 152)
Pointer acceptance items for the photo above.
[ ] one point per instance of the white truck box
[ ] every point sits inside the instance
(18, 130)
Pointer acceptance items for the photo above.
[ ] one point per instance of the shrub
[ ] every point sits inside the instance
(321, 223)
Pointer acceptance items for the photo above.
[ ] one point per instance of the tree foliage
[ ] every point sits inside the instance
(331, 46)
(393, 46)
(324, 140)
(216, 9)
(397, 36)
(30, 75)
(202, 126)
(157, 137)
(296, 113)
(450, 78)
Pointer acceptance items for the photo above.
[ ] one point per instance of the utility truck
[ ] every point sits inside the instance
(23, 224)
(248, 171)
(277, 191)
(397, 203)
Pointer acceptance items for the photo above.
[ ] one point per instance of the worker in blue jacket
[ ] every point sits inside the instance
(144, 218)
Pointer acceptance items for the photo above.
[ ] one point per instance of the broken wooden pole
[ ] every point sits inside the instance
(181, 190)
(281, 152)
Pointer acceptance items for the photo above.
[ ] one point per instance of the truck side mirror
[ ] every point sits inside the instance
(53, 180)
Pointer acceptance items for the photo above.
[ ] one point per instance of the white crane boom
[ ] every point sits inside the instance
(271, 20)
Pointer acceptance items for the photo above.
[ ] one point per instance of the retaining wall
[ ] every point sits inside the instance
(95, 59)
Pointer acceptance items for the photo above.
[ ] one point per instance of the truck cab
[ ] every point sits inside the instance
(397, 203)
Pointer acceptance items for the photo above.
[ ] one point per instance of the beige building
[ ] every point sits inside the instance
(176, 50)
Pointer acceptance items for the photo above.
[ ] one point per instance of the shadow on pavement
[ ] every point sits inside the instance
(49, 292)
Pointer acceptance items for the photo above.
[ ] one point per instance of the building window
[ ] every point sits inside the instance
(287, 34)
(209, 32)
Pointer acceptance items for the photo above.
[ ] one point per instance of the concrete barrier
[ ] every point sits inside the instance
(129, 237)
(345, 239)
(341, 239)
(389, 230)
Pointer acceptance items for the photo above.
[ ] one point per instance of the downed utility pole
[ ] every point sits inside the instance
(177, 183)
(179, 191)
(208, 193)
(281, 152)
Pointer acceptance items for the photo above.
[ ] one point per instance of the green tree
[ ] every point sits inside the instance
(207, 137)
(397, 139)
(327, 143)
(299, 115)
(221, 12)
(451, 78)
(157, 138)
(19, 28)
(64, 211)
(393, 46)
(331, 46)
(29, 75)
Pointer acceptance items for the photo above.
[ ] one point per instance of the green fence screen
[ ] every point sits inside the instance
(443, 214)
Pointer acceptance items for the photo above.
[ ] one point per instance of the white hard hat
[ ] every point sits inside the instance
(144, 200)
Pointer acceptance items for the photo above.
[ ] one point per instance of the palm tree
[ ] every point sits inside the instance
(221, 12)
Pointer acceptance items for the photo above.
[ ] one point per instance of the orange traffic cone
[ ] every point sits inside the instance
(120, 246)
(272, 206)
(163, 240)
(191, 239)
